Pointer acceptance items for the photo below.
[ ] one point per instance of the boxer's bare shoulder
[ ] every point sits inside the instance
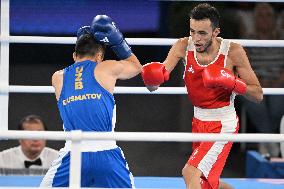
(57, 82)
(181, 45)
(176, 53)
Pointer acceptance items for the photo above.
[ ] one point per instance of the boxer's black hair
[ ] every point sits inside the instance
(86, 45)
(206, 11)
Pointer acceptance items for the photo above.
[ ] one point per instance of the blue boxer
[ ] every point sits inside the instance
(84, 93)
(85, 105)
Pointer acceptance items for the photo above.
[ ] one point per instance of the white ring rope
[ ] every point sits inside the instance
(140, 136)
(127, 90)
(133, 41)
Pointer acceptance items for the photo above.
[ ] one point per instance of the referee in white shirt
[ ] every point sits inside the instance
(30, 154)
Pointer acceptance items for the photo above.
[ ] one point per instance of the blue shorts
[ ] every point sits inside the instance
(104, 169)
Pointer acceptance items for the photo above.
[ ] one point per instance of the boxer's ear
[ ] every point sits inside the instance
(74, 56)
(216, 32)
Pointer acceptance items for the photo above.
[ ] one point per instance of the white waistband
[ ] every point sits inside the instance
(93, 146)
(217, 114)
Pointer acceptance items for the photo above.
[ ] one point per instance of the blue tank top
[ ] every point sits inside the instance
(84, 104)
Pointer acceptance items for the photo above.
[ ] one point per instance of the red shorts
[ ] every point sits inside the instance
(210, 157)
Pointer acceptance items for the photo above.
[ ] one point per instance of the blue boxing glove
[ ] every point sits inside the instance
(83, 30)
(104, 30)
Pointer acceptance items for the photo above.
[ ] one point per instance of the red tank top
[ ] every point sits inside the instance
(199, 95)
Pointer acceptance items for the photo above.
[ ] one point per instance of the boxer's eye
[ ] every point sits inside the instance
(202, 33)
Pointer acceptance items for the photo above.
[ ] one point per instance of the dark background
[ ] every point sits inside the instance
(34, 64)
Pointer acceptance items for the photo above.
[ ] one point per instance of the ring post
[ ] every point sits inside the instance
(4, 65)
(75, 162)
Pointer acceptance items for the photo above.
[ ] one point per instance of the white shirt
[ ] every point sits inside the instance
(14, 158)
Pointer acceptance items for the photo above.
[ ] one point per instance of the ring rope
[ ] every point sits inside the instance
(140, 136)
(132, 41)
(126, 90)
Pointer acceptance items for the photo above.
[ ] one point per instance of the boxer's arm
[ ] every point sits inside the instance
(128, 68)
(176, 53)
(107, 72)
(240, 60)
(57, 82)
(123, 69)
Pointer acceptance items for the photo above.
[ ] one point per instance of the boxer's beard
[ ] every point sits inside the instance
(208, 44)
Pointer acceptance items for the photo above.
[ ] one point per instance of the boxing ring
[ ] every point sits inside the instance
(77, 136)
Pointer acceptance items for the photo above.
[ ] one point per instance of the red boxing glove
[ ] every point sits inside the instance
(154, 73)
(216, 76)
